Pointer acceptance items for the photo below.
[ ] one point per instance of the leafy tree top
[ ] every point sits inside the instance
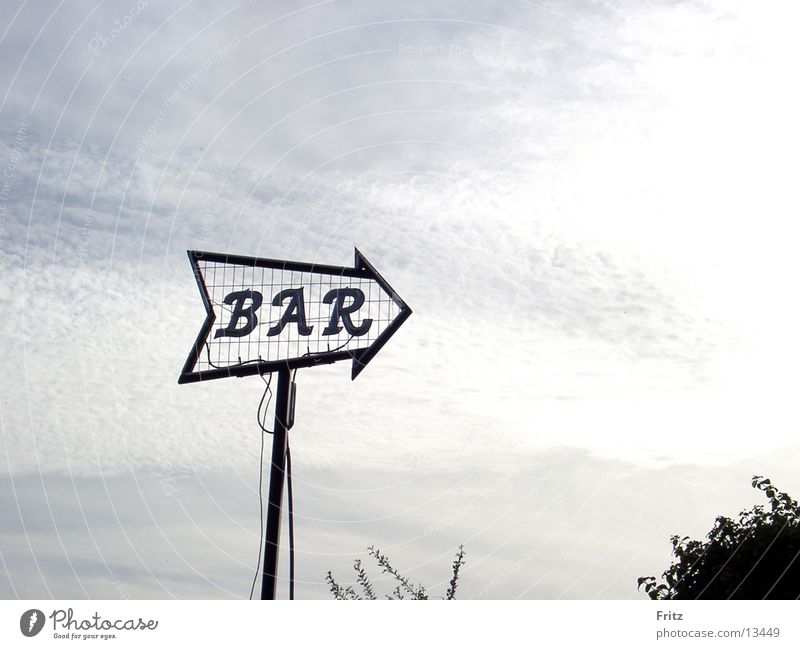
(754, 557)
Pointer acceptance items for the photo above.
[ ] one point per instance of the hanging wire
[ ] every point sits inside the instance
(231, 365)
(261, 476)
(290, 497)
(291, 521)
(262, 421)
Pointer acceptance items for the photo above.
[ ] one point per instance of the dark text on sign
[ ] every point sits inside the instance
(345, 303)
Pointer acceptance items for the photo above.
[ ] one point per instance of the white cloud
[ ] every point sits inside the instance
(590, 211)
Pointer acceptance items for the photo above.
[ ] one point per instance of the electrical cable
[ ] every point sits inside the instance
(261, 403)
(291, 520)
(241, 363)
(290, 498)
(261, 478)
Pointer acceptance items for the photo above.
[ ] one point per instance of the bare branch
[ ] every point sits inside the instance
(416, 592)
(459, 561)
(362, 580)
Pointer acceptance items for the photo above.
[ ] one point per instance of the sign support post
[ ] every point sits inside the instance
(269, 578)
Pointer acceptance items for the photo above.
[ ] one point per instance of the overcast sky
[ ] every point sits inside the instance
(590, 206)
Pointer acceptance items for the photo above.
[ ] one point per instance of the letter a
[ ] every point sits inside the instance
(237, 298)
(295, 312)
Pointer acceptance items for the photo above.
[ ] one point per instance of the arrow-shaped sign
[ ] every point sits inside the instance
(266, 314)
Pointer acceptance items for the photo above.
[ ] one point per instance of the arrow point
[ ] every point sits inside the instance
(364, 356)
(359, 259)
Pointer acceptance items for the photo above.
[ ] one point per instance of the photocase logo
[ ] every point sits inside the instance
(31, 622)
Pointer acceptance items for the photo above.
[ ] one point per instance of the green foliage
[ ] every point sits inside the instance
(754, 557)
(405, 589)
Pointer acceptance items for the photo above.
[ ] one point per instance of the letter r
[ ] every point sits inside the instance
(341, 312)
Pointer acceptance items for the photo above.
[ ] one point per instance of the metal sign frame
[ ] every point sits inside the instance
(362, 269)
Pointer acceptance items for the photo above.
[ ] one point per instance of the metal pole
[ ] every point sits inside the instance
(276, 479)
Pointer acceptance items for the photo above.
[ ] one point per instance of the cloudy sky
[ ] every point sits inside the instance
(591, 207)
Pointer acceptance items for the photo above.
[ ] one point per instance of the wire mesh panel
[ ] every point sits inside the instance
(262, 313)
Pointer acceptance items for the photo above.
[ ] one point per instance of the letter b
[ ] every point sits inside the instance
(237, 298)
